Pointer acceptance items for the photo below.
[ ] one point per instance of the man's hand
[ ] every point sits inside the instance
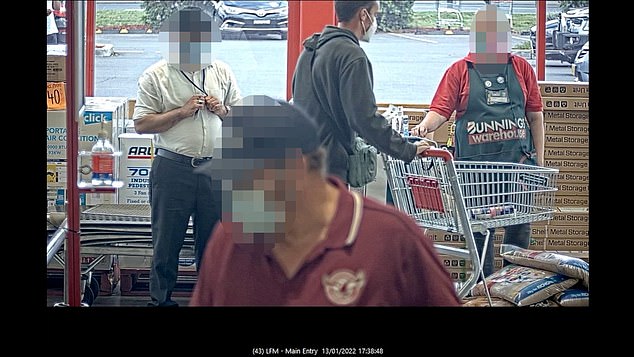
(422, 145)
(216, 106)
(194, 104)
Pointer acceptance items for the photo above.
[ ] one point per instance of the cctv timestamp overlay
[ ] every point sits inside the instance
(320, 351)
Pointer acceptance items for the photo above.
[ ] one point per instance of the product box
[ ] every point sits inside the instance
(571, 216)
(573, 177)
(565, 244)
(573, 153)
(572, 189)
(567, 104)
(439, 236)
(131, 104)
(55, 68)
(563, 116)
(572, 201)
(566, 141)
(565, 232)
(564, 129)
(134, 167)
(568, 165)
(564, 89)
(56, 174)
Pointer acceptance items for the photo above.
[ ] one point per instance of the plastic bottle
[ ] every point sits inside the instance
(492, 212)
(102, 155)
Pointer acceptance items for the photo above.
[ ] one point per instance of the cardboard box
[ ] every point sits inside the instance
(575, 153)
(573, 189)
(571, 216)
(564, 244)
(416, 113)
(573, 177)
(566, 141)
(449, 262)
(563, 116)
(443, 237)
(564, 129)
(55, 68)
(134, 168)
(565, 232)
(564, 89)
(567, 104)
(131, 104)
(537, 243)
(572, 201)
(100, 112)
(56, 174)
(568, 165)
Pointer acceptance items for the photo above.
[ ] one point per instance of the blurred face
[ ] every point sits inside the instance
(490, 36)
(186, 40)
(260, 203)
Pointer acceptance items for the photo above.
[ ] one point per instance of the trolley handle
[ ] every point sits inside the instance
(432, 151)
(441, 153)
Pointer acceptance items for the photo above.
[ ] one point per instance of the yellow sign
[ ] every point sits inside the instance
(55, 95)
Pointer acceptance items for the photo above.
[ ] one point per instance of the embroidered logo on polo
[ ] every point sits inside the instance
(496, 130)
(343, 286)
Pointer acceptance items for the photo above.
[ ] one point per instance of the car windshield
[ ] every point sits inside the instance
(256, 4)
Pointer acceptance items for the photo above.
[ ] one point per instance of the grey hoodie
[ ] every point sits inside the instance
(344, 84)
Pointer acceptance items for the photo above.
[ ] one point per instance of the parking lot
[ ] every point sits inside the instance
(407, 67)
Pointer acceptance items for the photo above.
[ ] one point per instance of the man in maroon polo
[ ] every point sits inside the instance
(290, 236)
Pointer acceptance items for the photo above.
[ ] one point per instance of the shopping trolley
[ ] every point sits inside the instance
(469, 196)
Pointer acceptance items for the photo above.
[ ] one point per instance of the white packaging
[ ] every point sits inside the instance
(134, 167)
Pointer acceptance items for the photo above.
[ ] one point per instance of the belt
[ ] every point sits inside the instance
(189, 160)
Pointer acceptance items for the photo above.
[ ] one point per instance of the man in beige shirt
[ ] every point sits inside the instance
(182, 100)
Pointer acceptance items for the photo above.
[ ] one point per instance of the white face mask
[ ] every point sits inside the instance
(368, 34)
(256, 214)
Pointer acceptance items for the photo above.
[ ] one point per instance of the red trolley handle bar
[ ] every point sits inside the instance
(441, 153)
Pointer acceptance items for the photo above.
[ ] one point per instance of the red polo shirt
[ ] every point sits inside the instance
(453, 90)
(390, 263)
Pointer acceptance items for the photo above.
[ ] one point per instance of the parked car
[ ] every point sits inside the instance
(253, 17)
(551, 25)
(581, 66)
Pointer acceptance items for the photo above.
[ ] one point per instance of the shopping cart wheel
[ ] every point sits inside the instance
(89, 296)
(94, 286)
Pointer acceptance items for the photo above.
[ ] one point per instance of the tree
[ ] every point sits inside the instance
(395, 14)
(572, 4)
(157, 11)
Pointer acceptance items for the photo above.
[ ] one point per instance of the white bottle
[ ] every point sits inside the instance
(102, 156)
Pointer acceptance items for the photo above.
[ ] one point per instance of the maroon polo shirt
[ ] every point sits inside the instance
(390, 263)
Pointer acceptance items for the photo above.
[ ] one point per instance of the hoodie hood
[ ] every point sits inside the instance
(317, 40)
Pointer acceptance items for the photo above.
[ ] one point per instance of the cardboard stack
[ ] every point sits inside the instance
(416, 113)
(566, 122)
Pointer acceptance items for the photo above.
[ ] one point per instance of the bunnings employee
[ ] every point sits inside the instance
(498, 109)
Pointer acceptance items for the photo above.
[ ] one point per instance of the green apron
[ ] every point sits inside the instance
(494, 126)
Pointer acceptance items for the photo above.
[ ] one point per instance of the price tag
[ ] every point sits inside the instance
(55, 95)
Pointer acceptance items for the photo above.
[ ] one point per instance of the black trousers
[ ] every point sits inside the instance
(176, 194)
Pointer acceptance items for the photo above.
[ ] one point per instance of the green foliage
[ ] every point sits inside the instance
(572, 4)
(395, 14)
(119, 18)
(157, 11)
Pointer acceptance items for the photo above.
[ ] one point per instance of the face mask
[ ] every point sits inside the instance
(369, 32)
(256, 215)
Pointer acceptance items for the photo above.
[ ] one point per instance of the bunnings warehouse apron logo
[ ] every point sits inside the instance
(496, 130)
(97, 117)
